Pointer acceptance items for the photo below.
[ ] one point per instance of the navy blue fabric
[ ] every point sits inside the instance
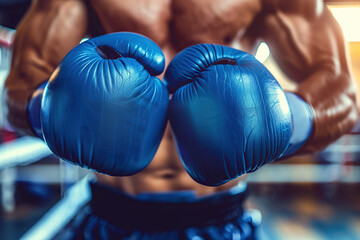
(115, 215)
(104, 108)
(228, 113)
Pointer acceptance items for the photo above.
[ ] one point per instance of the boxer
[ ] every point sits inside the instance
(227, 113)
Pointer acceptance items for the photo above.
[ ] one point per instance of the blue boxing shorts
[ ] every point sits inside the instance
(113, 214)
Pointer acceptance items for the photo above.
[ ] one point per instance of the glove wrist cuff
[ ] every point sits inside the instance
(301, 123)
(33, 110)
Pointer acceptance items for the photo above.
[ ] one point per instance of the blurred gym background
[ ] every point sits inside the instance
(309, 197)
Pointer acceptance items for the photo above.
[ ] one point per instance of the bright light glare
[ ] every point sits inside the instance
(84, 39)
(349, 19)
(263, 52)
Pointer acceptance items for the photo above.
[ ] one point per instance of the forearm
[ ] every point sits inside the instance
(18, 87)
(335, 115)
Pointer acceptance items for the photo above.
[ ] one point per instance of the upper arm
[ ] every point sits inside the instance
(47, 32)
(309, 47)
(303, 38)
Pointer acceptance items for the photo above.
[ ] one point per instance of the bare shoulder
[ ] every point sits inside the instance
(308, 9)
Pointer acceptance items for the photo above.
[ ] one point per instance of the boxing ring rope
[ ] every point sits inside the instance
(60, 215)
(22, 151)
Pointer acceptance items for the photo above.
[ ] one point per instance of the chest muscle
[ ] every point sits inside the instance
(181, 22)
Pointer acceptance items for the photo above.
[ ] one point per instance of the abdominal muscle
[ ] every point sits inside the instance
(165, 172)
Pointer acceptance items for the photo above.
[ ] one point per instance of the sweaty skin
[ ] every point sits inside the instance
(302, 35)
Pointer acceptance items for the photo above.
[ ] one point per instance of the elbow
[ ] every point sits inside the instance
(349, 101)
(336, 110)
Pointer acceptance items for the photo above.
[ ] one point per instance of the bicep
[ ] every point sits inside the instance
(47, 32)
(304, 44)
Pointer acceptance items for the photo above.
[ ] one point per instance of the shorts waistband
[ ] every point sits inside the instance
(131, 213)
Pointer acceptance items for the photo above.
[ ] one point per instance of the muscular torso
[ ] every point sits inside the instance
(303, 37)
(174, 25)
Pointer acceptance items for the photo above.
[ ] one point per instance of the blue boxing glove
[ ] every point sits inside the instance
(228, 113)
(103, 107)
